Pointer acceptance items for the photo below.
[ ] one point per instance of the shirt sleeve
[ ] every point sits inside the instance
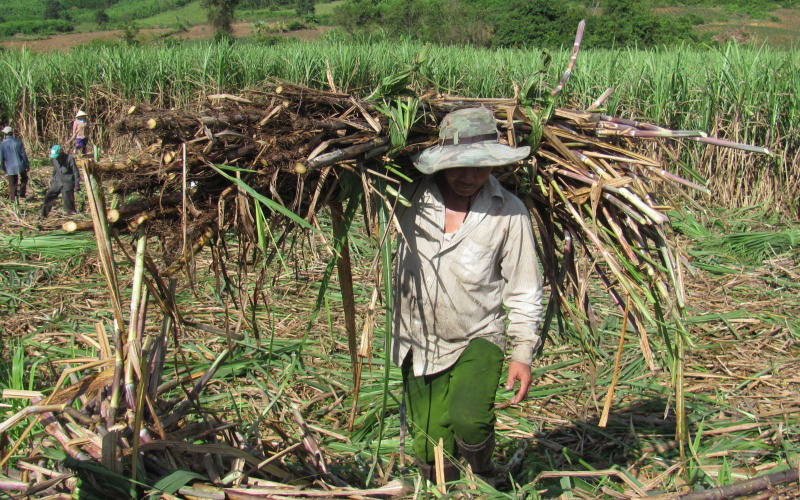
(75, 172)
(23, 156)
(522, 294)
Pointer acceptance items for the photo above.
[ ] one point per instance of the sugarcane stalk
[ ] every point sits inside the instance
(745, 488)
(27, 412)
(364, 352)
(670, 264)
(610, 395)
(178, 413)
(713, 141)
(144, 380)
(607, 257)
(616, 131)
(346, 153)
(136, 295)
(97, 208)
(674, 178)
(190, 253)
(388, 297)
(680, 398)
(654, 216)
(158, 354)
(151, 216)
(617, 230)
(54, 428)
(344, 269)
(575, 48)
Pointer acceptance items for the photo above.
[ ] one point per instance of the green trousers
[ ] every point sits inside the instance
(458, 401)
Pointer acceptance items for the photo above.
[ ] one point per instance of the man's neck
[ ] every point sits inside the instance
(454, 201)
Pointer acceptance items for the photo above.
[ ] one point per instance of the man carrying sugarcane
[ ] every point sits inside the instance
(14, 161)
(467, 277)
(65, 181)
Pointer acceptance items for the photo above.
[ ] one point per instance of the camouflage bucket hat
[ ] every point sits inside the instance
(468, 138)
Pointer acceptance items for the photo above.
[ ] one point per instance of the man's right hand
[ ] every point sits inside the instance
(522, 372)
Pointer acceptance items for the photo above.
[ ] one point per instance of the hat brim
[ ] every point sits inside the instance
(482, 154)
(80, 114)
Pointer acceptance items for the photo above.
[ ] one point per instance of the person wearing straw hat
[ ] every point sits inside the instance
(14, 161)
(65, 181)
(79, 132)
(467, 279)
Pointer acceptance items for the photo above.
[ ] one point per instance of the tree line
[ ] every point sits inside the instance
(517, 23)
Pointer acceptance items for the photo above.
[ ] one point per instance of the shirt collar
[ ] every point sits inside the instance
(493, 188)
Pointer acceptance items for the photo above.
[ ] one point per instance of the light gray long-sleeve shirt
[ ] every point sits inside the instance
(483, 281)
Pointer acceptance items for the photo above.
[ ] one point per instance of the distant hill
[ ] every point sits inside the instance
(476, 22)
(32, 18)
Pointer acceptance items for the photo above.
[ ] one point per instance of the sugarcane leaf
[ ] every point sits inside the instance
(392, 169)
(172, 483)
(349, 186)
(547, 58)
(402, 114)
(275, 207)
(113, 480)
(262, 226)
(400, 198)
(537, 129)
(234, 168)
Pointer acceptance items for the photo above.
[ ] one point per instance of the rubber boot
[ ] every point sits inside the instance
(479, 458)
(428, 471)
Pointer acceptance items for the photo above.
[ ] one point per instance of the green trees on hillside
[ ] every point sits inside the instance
(539, 23)
(516, 23)
(304, 8)
(101, 17)
(220, 13)
(52, 9)
(437, 21)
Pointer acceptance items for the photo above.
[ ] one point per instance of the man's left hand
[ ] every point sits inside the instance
(522, 372)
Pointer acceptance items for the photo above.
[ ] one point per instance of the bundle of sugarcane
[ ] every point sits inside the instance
(588, 183)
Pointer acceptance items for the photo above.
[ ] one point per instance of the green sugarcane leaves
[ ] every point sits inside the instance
(272, 205)
(529, 100)
(399, 84)
(402, 114)
(399, 102)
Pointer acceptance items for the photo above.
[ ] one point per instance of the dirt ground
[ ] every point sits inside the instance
(68, 40)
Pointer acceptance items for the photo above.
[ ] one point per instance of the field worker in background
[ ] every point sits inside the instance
(466, 278)
(66, 180)
(15, 164)
(80, 130)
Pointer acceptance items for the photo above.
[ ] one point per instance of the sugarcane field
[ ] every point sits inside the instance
(206, 249)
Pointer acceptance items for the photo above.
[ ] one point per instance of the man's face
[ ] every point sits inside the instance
(466, 181)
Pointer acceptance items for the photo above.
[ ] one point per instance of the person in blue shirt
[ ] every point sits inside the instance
(14, 161)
